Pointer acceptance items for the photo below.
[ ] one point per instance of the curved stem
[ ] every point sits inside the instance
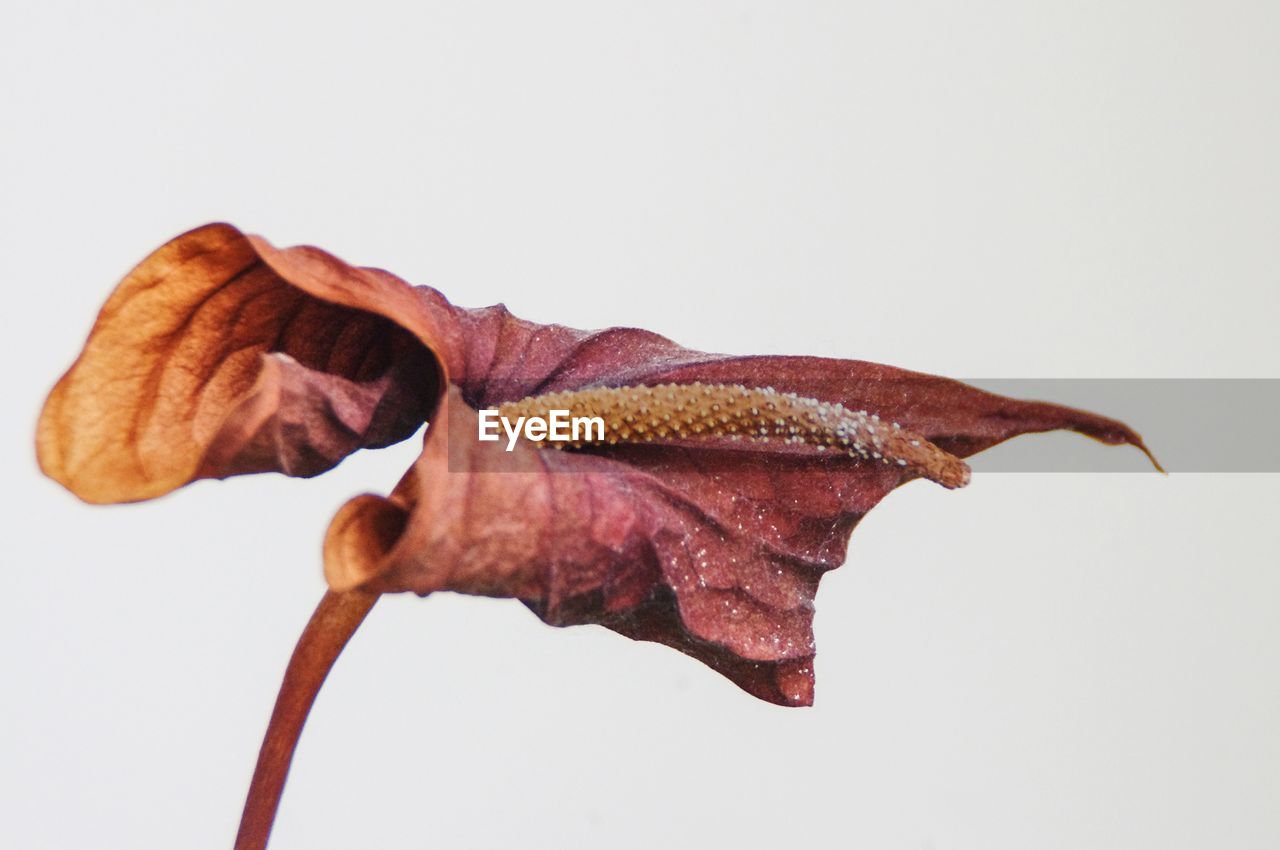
(336, 618)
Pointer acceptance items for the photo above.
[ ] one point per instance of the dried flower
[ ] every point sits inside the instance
(721, 490)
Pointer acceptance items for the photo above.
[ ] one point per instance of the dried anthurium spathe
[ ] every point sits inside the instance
(698, 507)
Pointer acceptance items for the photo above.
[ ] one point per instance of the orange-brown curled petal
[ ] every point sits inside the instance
(206, 361)
(358, 539)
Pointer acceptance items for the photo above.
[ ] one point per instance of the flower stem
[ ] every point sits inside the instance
(336, 618)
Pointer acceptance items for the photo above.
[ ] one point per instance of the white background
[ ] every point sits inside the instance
(978, 189)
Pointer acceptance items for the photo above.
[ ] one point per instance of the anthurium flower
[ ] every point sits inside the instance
(702, 516)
